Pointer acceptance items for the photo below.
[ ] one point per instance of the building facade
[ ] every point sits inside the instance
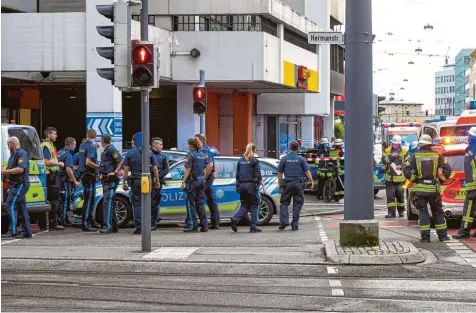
(445, 91)
(472, 78)
(263, 79)
(461, 65)
(403, 111)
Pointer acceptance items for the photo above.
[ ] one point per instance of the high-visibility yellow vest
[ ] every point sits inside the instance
(48, 144)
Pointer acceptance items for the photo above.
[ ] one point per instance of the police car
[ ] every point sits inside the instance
(173, 197)
(36, 199)
(452, 189)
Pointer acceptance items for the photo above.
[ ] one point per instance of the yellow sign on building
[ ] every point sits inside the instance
(301, 77)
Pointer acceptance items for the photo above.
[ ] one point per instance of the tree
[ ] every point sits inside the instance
(339, 131)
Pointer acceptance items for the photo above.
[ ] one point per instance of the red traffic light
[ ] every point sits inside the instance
(199, 94)
(142, 54)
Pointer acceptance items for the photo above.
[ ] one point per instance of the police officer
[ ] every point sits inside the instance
(163, 169)
(422, 169)
(133, 163)
(88, 170)
(197, 169)
(18, 177)
(248, 177)
(67, 178)
(209, 194)
(393, 160)
(469, 210)
(111, 164)
(52, 175)
(294, 167)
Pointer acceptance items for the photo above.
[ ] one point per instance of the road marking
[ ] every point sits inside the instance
(337, 292)
(172, 253)
(461, 250)
(332, 270)
(321, 230)
(335, 283)
(33, 235)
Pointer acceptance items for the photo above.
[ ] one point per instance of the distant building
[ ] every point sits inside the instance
(461, 65)
(445, 91)
(403, 111)
(472, 76)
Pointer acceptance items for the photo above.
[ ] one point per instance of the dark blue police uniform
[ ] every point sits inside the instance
(133, 160)
(196, 161)
(88, 177)
(110, 159)
(248, 178)
(19, 185)
(209, 194)
(65, 156)
(163, 168)
(294, 168)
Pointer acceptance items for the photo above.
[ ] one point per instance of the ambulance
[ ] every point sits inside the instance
(451, 189)
(409, 132)
(450, 130)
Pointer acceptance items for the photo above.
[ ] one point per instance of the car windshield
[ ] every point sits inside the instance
(455, 131)
(408, 138)
(456, 162)
(29, 141)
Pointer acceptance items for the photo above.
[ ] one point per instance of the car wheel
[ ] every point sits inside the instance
(265, 213)
(410, 215)
(123, 211)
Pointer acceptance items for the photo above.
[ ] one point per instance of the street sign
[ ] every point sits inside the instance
(326, 38)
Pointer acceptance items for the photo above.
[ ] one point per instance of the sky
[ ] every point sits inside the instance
(454, 28)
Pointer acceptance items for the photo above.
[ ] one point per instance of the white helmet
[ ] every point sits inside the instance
(324, 140)
(472, 131)
(425, 140)
(396, 139)
(414, 145)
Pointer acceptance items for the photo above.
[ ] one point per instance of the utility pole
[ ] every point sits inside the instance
(145, 197)
(202, 116)
(359, 227)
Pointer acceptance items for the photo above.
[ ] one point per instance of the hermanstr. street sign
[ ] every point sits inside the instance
(326, 38)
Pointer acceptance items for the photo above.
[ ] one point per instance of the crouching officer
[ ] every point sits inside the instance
(422, 169)
(18, 177)
(111, 164)
(197, 169)
(469, 211)
(294, 168)
(248, 176)
(133, 163)
(163, 169)
(67, 178)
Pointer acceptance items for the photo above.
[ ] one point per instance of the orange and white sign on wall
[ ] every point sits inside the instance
(300, 76)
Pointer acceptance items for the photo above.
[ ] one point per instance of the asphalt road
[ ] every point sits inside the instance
(270, 271)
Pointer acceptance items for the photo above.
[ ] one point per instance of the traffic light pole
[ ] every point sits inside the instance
(359, 227)
(145, 198)
(202, 116)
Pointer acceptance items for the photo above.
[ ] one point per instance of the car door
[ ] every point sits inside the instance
(172, 204)
(224, 186)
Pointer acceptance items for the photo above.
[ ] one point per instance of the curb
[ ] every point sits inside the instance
(411, 257)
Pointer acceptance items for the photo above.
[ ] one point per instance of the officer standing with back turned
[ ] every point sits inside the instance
(111, 164)
(163, 169)
(422, 169)
(294, 168)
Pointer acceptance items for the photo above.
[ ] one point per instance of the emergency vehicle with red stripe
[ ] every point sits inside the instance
(409, 132)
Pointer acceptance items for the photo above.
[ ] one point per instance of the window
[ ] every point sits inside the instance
(184, 23)
(178, 171)
(151, 19)
(29, 141)
(267, 170)
(225, 168)
(430, 131)
(298, 40)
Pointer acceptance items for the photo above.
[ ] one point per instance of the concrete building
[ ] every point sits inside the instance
(403, 111)
(253, 52)
(472, 78)
(461, 65)
(445, 91)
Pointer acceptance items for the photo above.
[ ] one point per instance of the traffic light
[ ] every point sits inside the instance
(144, 64)
(120, 35)
(199, 100)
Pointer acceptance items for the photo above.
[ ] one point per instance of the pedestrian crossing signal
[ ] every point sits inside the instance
(199, 100)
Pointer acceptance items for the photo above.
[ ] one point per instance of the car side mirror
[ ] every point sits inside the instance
(168, 176)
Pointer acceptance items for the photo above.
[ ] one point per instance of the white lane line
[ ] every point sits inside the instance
(332, 270)
(335, 283)
(13, 240)
(337, 292)
(462, 251)
(320, 227)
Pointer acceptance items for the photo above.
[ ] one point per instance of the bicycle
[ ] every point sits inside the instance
(330, 186)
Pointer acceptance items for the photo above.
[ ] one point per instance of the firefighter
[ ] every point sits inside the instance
(393, 161)
(469, 211)
(321, 166)
(422, 169)
(338, 152)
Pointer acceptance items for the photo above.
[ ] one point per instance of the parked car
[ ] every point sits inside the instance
(36, 199)
(173, 197)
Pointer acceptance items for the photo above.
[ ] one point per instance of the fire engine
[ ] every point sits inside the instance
(408, 131)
